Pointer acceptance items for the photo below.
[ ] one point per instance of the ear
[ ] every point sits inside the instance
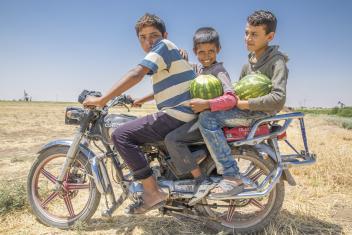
(218, 49)
(195, 50)
(165, 35)
(270, 36)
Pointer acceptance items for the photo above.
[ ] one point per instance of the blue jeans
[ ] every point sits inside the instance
(210, 124)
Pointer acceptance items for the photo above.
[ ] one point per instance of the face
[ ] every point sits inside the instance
(206, 53)
(256, 37)
(148, 36)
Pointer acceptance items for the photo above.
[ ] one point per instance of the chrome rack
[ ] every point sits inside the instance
(302, 158)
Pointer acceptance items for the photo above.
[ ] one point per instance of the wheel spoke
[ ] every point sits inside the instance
(73, 186)
(257, 203)
(250, 169)
(231, 211)
(257, 175)
(69, 206)
(48, 175)
(49, 199)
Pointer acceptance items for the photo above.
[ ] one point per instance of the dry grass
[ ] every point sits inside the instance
(321, 203)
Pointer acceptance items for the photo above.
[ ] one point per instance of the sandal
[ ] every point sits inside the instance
(202, 190)
(139, 207)
(228, 189)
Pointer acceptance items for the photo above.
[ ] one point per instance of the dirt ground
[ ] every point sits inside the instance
(321, 203)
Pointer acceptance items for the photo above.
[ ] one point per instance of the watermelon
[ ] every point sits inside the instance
(252, 86)
(206, 87)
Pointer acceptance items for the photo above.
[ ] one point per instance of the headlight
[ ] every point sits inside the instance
(73, 115)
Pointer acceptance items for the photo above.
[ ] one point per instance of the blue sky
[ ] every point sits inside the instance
(55, 49)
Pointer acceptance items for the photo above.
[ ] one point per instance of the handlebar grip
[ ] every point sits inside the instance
(128, 99)
(86, 93)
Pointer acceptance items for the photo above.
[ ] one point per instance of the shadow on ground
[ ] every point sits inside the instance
(285, 223)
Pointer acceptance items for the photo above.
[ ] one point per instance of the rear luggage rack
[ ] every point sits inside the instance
(296, 159)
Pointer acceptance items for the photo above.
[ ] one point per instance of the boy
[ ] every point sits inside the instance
(206, 46)
(171, 76)
(260, 30)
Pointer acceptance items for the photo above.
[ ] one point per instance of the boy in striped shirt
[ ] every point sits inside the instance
(171, 76)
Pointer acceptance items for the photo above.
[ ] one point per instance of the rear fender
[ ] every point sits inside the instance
(265, 150)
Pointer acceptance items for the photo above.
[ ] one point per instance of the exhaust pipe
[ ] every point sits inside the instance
(263, 190)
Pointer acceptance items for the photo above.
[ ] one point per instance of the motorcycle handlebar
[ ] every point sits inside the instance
(86, 93)
(122, 99)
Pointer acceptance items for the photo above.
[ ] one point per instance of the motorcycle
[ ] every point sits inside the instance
(67, 179)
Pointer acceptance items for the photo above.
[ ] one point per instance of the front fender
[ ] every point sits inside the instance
(95, 164)
(89, 154)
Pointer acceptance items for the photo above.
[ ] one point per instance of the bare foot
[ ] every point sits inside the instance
(153, 198)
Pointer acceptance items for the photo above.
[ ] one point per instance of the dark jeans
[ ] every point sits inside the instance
(176, 143)
(148, 129)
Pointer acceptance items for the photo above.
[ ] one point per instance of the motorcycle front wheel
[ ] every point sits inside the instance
(78, 198)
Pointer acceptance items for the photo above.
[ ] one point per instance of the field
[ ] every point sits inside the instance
(321, 203)
(338, 111)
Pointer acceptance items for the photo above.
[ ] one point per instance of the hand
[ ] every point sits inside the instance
(137, 103)
(199, 105)
(184, 54)
(92, 101)
(242, 104)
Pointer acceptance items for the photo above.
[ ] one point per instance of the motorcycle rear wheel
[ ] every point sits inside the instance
(248, 215)
(78, 198)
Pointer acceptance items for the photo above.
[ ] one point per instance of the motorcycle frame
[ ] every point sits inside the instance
(103, 182)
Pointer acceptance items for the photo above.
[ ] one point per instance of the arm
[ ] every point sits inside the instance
(221, 103)
(184, 54)
(130, 79)
(242, 104)
(140, 101)
(225, 102)
(275, 100)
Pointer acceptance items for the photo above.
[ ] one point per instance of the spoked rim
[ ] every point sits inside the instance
(61, 206)
(244, 213)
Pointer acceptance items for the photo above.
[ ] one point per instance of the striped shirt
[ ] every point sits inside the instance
(171, 77)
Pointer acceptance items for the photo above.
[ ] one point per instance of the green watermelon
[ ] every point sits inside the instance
(252, 86)
(206, 87)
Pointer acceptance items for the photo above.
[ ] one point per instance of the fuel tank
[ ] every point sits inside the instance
(113, 121)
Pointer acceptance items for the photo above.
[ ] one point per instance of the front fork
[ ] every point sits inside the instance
(72, 151)
(70, 156)
(99, 171)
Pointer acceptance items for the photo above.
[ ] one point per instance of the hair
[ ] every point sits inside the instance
(150, 20)
(206, 35)
(265, 18)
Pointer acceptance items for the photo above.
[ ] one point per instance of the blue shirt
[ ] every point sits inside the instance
(171, 77)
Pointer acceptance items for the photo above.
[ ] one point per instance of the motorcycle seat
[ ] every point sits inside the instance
(241, 132)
